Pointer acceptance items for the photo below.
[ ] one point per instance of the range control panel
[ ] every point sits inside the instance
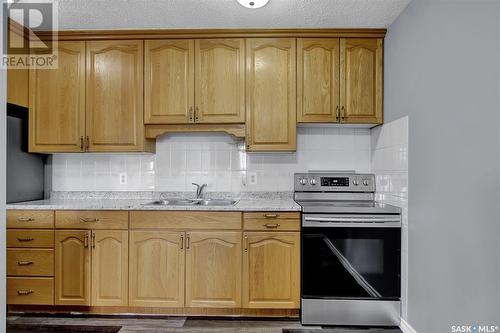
(331, 182)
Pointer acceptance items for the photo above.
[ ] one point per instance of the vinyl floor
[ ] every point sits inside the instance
(22, 323)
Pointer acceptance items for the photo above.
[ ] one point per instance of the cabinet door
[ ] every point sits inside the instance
(157, 268)
(271, 94)
(220, 81)
(169, 86)
(213, 269)
(72, 267)
(361, 77)
(57, 103)
(318, 84)
(109, 268)
(115, 96)
(271, 262)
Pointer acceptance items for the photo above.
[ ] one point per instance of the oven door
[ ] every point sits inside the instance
(351, 257)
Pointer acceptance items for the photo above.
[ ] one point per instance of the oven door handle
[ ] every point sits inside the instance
(353, 222)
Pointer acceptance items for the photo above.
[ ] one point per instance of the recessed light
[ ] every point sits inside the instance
(253, 3)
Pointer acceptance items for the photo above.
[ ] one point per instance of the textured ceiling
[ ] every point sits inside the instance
(130, 14)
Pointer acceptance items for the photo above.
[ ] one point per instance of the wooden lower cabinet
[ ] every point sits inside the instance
(213, 269)
(72, 267)
(91, 267)
(109, 268)
(271, 263)
(157, 262)
(219, 269)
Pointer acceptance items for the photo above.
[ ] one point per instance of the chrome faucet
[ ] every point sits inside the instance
(199, 190)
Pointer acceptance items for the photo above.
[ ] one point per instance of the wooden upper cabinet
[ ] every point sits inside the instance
(17, 87)
(109, 268)
(271, 275)
(271, 94)
(17, 79)
(72, 267)
(362, 76)
(220, 81)
(157, 268)
(213, 269)
(114, 94)
(57, 102)
(318, 80)
(169, 81)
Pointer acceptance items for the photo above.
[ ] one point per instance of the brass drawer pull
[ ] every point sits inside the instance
(24, 292)
(27, 239)
(89, 220)
(272, 225)
(25, 263)
(271, 216)
(26, 219)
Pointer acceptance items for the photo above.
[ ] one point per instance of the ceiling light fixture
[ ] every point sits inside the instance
(253, 3)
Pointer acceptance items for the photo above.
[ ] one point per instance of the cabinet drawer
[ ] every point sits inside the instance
(90, 219)
(30, 219)
(30, 238)
(282, 221)
(185, 220)
(30, 262)
(38, 291)
(266, 216)
(270, 224)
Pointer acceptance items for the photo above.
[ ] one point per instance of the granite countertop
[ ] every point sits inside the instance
(247, 201)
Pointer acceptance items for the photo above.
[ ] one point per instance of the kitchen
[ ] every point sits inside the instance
(189, 169)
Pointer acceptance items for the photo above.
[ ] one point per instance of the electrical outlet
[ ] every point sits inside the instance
(123, 178)
(252, 178)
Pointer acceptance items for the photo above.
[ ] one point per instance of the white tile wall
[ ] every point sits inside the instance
(215, 159)
(389, 162)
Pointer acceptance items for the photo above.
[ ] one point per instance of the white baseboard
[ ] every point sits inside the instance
(405, 327)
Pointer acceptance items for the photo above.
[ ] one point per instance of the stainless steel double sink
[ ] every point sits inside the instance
(192, 202)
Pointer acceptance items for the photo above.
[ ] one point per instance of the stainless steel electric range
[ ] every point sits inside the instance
(351, 251)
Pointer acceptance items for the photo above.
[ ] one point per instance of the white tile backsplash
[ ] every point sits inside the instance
(216, 159)
(389, 162)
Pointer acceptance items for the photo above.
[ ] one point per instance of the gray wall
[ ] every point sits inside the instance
(2, 184)
(442, 66)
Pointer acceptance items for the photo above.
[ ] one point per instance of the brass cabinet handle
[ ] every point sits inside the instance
(245, 243)
(196, 114)
(24, 292)
(187, 242)
(26, 239)
(26, 219)
(93, 240)
(25, 263)
(272, 225)
(191, 114)
(88, 220)
(337, 113)
(81, 143)
(271, 216)
(342, 114)
(86, 240)
(88, 143)
(182, 242)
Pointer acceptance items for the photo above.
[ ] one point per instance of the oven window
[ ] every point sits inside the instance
(351, 262)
